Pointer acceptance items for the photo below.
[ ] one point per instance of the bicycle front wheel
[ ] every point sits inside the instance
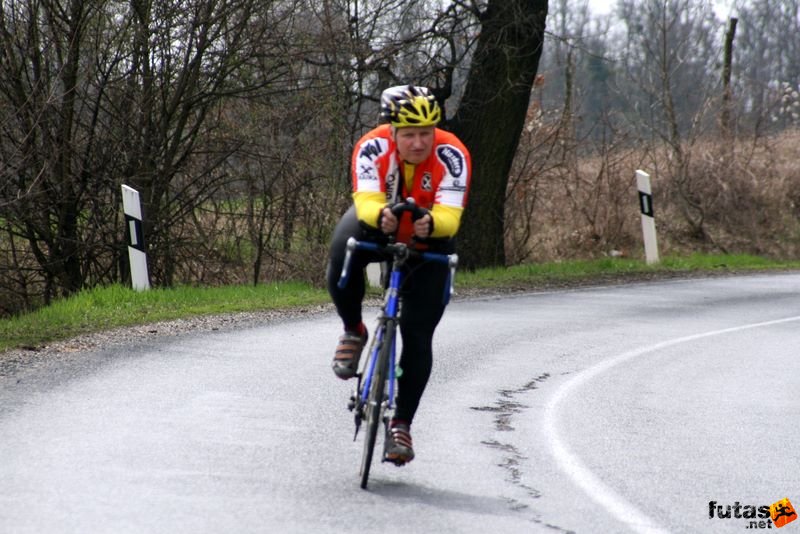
(374, 407)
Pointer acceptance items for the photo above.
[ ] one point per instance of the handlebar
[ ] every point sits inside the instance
(400, 252)
(410, 206)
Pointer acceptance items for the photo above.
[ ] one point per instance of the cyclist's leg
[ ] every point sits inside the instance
(422, 310)
(347, 299)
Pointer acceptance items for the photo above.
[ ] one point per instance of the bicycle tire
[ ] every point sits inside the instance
(375, 401)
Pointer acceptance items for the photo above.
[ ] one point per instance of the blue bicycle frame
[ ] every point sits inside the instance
(390, 312)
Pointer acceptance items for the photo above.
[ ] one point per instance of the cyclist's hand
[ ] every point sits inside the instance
(388, 222)
(422, 226)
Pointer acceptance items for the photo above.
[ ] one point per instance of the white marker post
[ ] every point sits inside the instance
(374, 274)
(648, 220)
(133, 229)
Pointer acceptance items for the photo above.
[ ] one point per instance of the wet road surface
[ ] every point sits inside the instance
(612, 409)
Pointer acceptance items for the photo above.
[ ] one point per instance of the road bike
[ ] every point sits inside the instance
(372, 400)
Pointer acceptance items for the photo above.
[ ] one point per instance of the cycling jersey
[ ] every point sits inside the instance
(440, 183)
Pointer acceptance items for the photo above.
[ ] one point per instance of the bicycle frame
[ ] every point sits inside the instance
(388, 320)
(391, 305)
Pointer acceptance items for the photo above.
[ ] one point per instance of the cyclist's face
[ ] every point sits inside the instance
(414, 143)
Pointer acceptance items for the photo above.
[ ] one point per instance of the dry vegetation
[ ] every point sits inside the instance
(740, 200)
(241, 155)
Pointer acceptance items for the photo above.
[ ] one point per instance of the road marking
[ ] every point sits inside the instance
(595, 488)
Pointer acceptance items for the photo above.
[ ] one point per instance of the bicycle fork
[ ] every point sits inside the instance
(387, 322)
(359, 396)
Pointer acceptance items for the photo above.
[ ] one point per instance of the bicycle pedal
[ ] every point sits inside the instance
(352, 402)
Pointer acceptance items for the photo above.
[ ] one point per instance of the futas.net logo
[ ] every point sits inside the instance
(776, 515)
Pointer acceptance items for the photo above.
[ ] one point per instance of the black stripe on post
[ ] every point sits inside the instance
(134, 232)
(646, 203)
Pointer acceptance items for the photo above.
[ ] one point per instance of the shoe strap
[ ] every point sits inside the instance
(401, 436)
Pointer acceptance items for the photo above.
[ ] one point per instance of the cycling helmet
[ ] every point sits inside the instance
(407, 105)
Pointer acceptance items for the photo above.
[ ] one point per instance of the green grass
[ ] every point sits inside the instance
(114, 306)
(117, 306)
(570, 271)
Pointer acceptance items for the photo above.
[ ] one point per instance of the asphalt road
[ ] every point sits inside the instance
(612, 409)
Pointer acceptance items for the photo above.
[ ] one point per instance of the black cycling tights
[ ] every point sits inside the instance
(421, 293)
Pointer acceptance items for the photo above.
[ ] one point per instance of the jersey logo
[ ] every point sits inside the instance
(427, 182)
(367, 172)
(392, 179)
(372, 149)
(366, 166)
(452, 159)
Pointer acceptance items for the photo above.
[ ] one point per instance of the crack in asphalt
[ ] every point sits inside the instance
(504, 410)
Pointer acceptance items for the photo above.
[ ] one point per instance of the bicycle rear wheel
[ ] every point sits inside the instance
(374, 406)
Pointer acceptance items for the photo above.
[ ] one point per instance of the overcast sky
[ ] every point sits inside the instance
(602, 7)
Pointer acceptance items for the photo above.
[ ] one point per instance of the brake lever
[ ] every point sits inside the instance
(345, 274)
(453, 263)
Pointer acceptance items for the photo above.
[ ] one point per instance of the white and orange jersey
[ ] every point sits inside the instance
(440, 183)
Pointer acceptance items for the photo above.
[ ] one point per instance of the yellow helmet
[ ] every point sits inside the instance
(407, 105)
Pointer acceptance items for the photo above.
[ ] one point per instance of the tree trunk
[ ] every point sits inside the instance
(725, 119)
(491, 115)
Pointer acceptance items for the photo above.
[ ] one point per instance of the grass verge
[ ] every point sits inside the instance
(117, 306)
(538, 274)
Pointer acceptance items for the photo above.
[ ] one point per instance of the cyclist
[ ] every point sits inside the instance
(407, 156)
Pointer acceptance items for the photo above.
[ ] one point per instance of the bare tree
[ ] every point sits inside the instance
(726, 126)
(767, 61)
(103, 93)
(670, 49)
(491, 116)
(54, 161)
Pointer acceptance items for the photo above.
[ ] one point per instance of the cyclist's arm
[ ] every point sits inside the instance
(446, 220)
(369, 188)
(451, 196)
(369, 205)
